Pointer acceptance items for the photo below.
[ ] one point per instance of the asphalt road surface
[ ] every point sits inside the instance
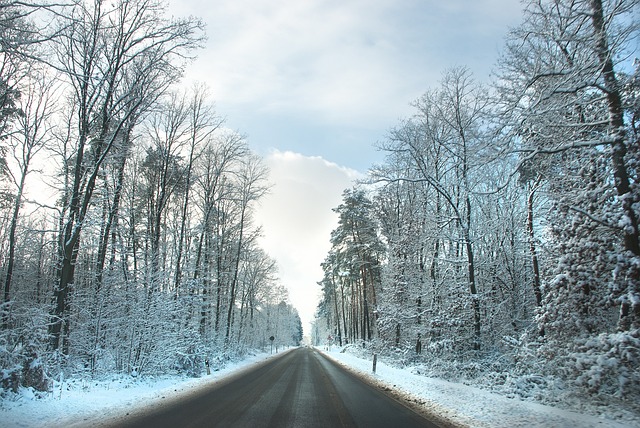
(299, 389)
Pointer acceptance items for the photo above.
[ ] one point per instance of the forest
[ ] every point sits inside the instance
(497, 244)
(128, 243)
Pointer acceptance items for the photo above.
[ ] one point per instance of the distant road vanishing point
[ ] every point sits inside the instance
(301, 388)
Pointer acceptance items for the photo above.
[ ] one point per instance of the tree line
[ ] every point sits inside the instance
(500, 235)
(146, 256)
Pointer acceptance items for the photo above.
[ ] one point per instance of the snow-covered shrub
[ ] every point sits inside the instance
(582, 342)
(22, 350)
(33, 371)
(530, 386)
(10, 378)
(192, 361)
(608, 364)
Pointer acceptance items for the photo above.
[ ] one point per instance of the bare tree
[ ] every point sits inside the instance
(220, 158)
(251, 187)
(452, 119)
(203, 122)
(117, 57)
(31, 136)
(163, 173)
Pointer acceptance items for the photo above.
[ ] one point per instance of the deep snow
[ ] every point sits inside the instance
(82, 403)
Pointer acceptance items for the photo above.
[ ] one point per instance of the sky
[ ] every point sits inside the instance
(315, 84)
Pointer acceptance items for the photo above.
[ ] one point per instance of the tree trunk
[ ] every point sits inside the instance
(12, 242)
(234, 281)
(59, 325)
(335, 304)
(183, 223)
(475, 302)
(532, 245)
(344, 315)
(112, 218)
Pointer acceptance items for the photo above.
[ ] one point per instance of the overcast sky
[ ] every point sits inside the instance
(314, 84)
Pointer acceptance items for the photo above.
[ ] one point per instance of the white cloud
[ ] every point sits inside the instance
(342, 61)
(321, 56)
(297, 220)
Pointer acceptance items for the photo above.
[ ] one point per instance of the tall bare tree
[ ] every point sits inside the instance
(203, 122)
(251, 186)
(31, 136)
(117, 58)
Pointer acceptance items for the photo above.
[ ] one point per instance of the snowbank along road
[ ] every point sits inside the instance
(299, 389)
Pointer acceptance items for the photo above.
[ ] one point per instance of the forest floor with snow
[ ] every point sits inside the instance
(87, 403)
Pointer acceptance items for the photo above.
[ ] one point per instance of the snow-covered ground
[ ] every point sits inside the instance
(468, 406)
(87, 403)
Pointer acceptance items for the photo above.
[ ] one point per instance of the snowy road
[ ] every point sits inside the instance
(300, 389)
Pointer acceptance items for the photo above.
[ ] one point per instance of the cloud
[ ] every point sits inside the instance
(321, 56)
(297, 220)
(343, 61)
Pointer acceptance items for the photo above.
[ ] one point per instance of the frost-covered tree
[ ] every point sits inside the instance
(352, 270)
(33, 129)
(439, 152)
(117, 58)
(562, 89)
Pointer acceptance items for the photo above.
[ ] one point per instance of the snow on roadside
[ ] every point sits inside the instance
(468, 406)
(91, 403)
(83, 403)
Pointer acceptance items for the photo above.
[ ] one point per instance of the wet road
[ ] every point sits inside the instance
(300, 389)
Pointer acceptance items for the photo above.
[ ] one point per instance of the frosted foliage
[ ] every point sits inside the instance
(22, 356)
(497, 244)
(146, 260)
(578, 288)
(583, 293)
(608, 363)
